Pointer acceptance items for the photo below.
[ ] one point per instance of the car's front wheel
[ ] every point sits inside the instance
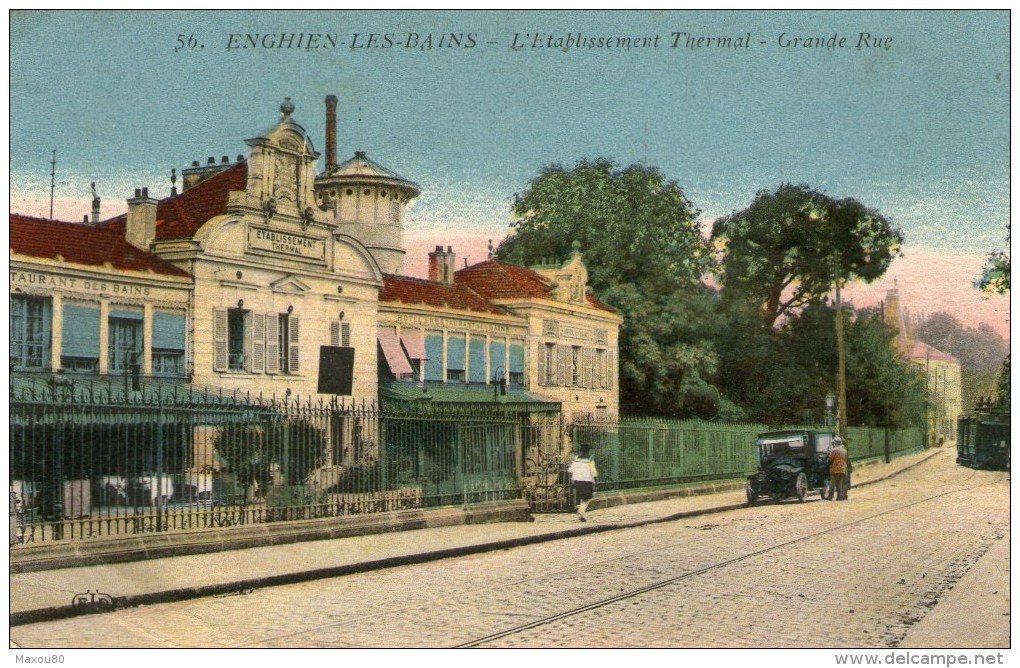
(800, 487)
(752, 495)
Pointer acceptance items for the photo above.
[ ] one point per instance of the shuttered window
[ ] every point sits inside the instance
(289, 338)
(600, 369)
(232, 340)
(589, 368)
(563, 366)
(30, 332)
(455, 357)
(272, 344)
(125, 340)
(434, 353)
(497, 360)
(258, 341)
(517, 374)
(168, 336)
(340, 333)
(610, 369)
(549, 365)
(476, 360)
(80, 337)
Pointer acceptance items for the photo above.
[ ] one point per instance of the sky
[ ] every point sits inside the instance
(906, 111)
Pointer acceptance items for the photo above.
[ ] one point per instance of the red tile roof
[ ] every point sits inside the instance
(407, 290)
(78, 243)
(498, 280)
(181, 216)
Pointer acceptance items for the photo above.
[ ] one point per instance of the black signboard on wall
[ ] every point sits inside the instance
(336, 370)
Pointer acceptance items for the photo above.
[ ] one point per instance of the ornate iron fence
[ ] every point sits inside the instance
(95, 463)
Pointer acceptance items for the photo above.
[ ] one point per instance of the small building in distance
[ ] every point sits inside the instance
(942, 370)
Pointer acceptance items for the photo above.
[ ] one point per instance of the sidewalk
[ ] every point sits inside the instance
(45, 595)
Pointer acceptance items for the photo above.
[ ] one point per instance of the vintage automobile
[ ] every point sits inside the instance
(790, 463)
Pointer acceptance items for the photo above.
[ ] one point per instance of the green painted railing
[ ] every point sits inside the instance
(653, 452)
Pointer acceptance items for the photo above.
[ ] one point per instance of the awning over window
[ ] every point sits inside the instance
(414, 343)
(394, 355)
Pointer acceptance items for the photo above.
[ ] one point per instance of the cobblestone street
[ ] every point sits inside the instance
(818, 574)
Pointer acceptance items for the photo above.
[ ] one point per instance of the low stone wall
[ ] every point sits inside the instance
(638, 495)
(67, 554)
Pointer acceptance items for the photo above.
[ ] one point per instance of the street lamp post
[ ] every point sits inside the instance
(830, 403)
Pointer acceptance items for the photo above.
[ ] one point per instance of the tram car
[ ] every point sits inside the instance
(982, 438)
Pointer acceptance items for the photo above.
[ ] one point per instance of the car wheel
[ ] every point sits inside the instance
(752, 496)
(800, 487)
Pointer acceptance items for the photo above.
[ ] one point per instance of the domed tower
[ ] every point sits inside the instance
(367, 200)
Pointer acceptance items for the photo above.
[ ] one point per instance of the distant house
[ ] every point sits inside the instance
(945, 387)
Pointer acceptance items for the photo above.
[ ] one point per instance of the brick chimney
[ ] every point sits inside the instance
(442, 264)
(140, 230)
(330, 133)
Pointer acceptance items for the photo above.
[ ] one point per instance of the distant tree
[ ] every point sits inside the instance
(995, 275)
(787, 248)
(994, 279)
(645, 254)
(980, 351)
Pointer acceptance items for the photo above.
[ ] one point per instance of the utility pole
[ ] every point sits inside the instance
(53, 180)
(840, 361)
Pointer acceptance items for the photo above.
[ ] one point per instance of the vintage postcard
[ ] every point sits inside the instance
(521, 329)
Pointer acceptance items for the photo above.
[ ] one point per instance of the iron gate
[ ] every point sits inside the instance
(545, 484)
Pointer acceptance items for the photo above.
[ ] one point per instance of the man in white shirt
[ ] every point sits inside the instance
(583, 475)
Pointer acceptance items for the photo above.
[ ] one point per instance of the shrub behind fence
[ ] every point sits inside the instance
(86, 466)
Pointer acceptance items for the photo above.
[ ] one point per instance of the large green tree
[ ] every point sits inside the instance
(788, 247)
(645, 254)
(781, 376)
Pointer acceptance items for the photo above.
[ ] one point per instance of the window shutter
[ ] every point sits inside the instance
(219, 339)
(345, 334)
(294, 354)
(476, 360)
(541, 363)
(610, 369)
(589, 367)
(168, 330)
(272, 343)
(563, 367)
(258, 332)
(81, 331)
(334, 333)
(249, 340)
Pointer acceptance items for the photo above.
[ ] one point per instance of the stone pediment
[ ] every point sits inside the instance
(571, 281)
(289, 285)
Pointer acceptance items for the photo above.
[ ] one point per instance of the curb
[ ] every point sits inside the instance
(138, 548)
(247, 586)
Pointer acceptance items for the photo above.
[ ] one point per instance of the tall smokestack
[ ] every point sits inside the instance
(330, 133)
